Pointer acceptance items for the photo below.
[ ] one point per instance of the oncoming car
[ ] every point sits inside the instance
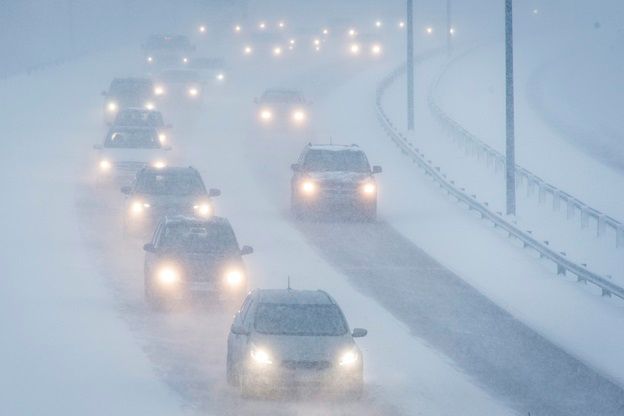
(128, 92)
(191, 256)
(126, 150)
(282, 107)
(211, 70)
(334, 179)
(167, 50)
(158, 192)
(285, 339)
(141, 117)
(179, 83)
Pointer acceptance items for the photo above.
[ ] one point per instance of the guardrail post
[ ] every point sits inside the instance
(584, 217)
(541, 195)
(569, 209)
(561, 270)
(556, 200)
(601, 226)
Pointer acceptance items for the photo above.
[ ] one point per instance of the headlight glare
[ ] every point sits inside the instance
(111, 106)
(260, 356)
(299, 116)
(308, 187)
(159, 164)
(369, 188)
(105, 165)
(234, 277)
(202, 209)
(266, 115)
(168, 275)
(348, 358)
(159, 90)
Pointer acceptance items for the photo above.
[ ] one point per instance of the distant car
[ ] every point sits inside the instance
(265, 43)
(179, 83)
(293, 339)
(167, 50)
(282, 107)
(191, 256)
(127, 149)
(128, 92)
(334, 179)
(211, 70)
(140, 117)
(158, 192)
(365, 44)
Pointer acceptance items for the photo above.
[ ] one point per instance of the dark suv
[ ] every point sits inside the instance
(157, 192)
(194, 256)
(334, 179)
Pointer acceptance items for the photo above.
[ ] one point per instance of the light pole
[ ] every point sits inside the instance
(410, 65)
(449, 29)
(510, 157)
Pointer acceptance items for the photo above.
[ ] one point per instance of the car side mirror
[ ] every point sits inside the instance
(97, 146)
(238, 330)
(149, 247)
(359, 332)
(246, 250)
(214, 192)
(126, 190)
(377, 169)
(295, 167)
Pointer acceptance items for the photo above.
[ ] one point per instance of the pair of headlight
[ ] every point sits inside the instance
(169, 275)
(309, 187)
(297, 116)
(262, 357)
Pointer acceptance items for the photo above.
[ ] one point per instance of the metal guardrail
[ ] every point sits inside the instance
(564, 265)
(532, 182)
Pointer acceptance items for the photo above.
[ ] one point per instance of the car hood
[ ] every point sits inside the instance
(303, 348)
(158, 201)
(339, 177)
(132, 155)
(204, 264)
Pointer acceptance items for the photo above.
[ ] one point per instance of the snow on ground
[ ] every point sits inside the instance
(64, 348)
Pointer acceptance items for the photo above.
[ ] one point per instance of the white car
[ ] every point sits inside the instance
(126, 150)
(282, 108)
(179, 83)
(289, 339)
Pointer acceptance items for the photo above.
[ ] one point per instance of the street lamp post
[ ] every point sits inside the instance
(510, 158)
(410, 65)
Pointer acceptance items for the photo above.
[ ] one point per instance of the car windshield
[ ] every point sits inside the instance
(170, 183)
(282, 97)
(336, 161)
(299, 319)
(122, 87)
(133, 139)
(180, 76)
(139, 118)
(199, 238)
(168, 42)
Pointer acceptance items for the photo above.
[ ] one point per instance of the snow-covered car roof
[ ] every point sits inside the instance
(335, 147)
(282, 95)
(290, 296)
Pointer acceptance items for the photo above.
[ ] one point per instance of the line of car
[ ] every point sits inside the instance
(280, 339)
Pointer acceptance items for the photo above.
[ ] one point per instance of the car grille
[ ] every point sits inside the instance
(130, 167)
(306, 365)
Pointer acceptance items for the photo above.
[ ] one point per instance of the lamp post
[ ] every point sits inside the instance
(510, 158)
(410, 65)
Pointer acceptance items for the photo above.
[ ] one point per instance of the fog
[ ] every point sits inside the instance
(216, 207)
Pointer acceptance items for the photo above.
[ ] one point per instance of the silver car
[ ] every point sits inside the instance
(283, 340)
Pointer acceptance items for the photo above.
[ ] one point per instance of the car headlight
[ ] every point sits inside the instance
(202, 209)
(111, 106)
(193, 92)
(354, 49)
(368, 188)
(159, 90)
(168, 275)
(137, 207)
(277, 51)
(149, 105)
(260, 356)
(150, 59)
(298, 116)
(247, 50)
(376, 49)
(220, 76)
(185, 60)
(266, 115)
(162, 137)
(234, 278)
(105, 165)
(348, 358)
(159, 164)
(308, 187)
